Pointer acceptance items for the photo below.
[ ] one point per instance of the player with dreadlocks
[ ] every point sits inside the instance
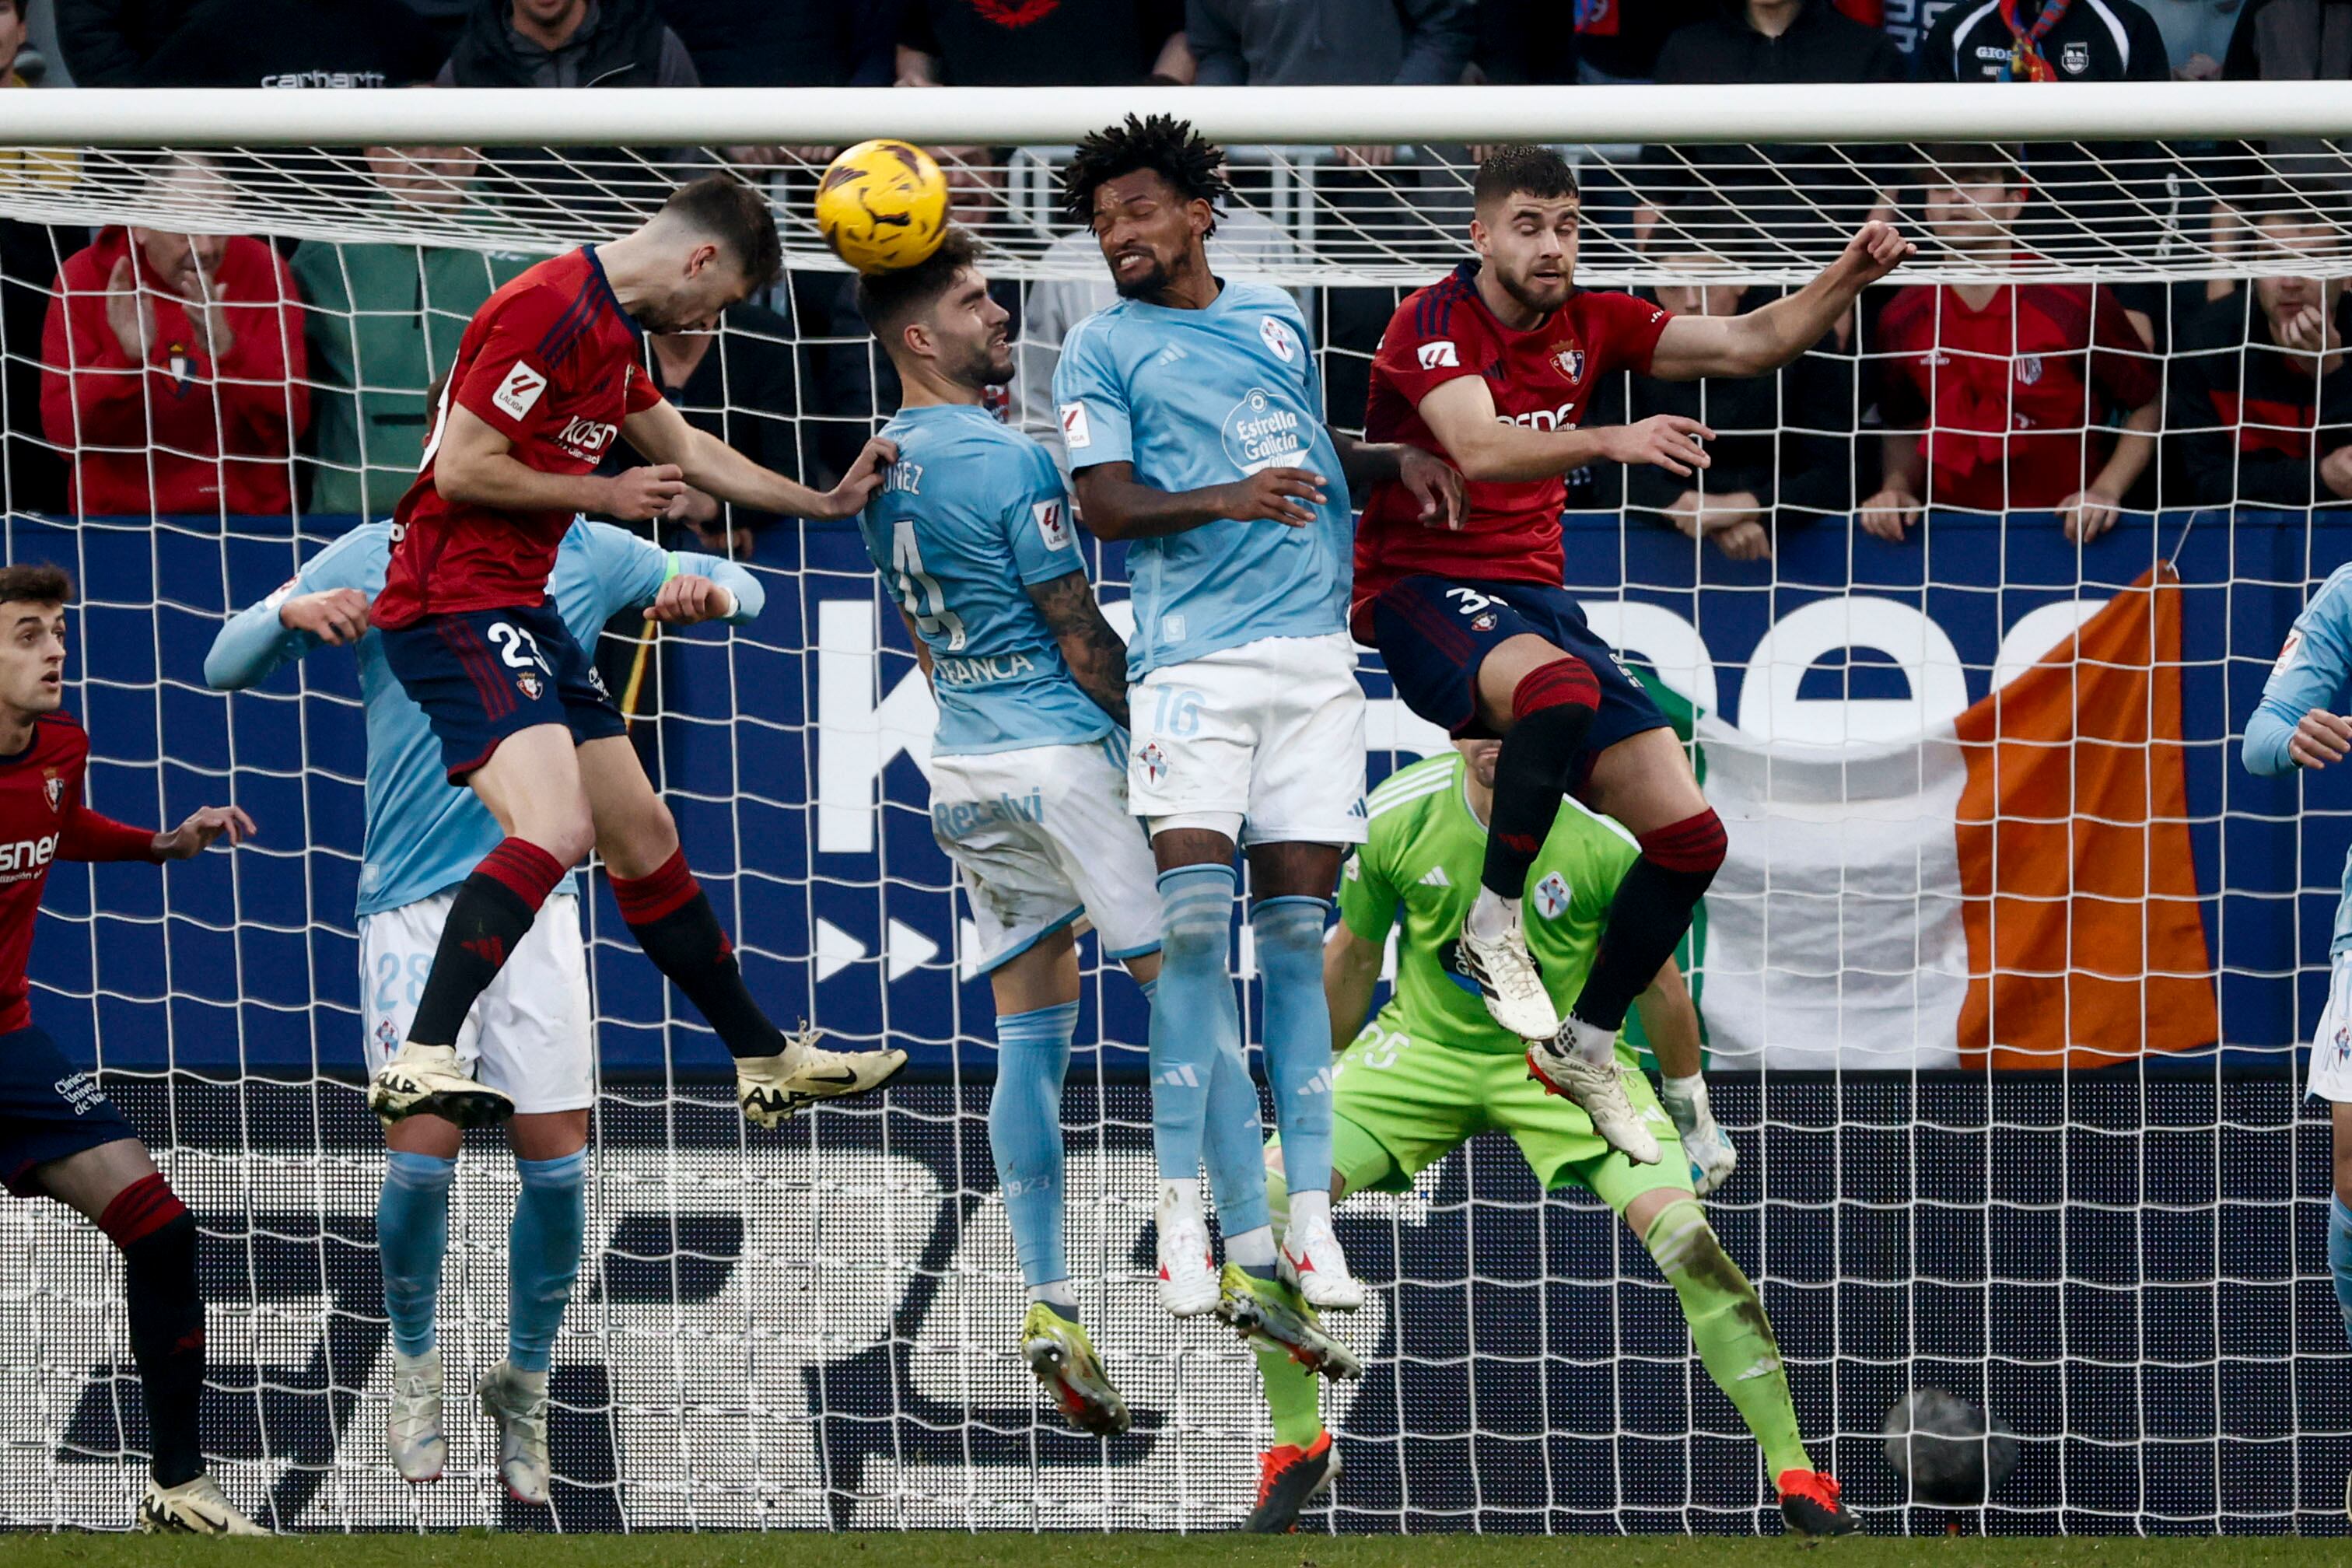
(1191, 412)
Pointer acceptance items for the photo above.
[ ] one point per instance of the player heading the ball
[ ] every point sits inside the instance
(1191, 413)
(549, 373)
(972, 534)
(1494, 367)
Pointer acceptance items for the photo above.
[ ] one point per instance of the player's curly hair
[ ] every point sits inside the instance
(39, 584)
(1162, 143)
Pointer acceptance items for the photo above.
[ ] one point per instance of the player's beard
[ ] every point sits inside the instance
(988, 365)
(1541, 295)
(1146, 285)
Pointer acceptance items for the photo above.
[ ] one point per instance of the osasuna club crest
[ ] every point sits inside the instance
(55, 787)
(2029, 369)
(529, 684)
(1569, 362)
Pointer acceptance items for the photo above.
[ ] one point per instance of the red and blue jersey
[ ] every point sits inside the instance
(1544, 378)
(554, 364)
(42, 821)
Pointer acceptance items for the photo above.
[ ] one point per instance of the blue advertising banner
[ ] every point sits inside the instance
(791, 754)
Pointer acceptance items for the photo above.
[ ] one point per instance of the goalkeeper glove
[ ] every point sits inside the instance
(1711, 1157)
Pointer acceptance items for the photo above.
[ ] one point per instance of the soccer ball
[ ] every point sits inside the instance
(883, 206)
(1951, 1452)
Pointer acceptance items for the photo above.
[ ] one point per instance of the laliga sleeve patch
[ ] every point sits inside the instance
(2286, 653)
(1075, 432)
(1053, 523)
(519, 390)
(1439, 355)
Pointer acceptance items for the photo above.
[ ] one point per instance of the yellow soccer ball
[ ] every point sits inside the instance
(883, 206)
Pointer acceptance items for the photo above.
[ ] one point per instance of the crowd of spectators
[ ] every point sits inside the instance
(187, 372)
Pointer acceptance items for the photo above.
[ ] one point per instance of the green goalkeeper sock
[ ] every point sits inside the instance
(1292, 1397)
(1728, 1323)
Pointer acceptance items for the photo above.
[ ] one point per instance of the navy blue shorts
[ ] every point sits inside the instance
(1434, 633)
(50, 1109)
(483, 674)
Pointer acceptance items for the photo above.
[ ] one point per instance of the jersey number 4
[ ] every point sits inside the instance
(919, 591)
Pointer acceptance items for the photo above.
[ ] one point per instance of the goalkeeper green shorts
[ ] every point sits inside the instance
(1420, 1101)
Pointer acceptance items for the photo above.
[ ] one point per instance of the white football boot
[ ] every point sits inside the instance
(516, 1404)
(1562, 1065)
(414, 1436)
(1187, 1280)
(430, 1080)
(771, 1089)
(1500, 964)
(1311, 1262)
(191, 1508)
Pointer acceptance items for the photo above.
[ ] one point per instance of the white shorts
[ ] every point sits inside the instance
(531, 1036)
(1040, 835)
(2330, 1076)
(1263, 743)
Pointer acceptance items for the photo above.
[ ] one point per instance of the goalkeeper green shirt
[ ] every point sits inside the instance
(1421, 859)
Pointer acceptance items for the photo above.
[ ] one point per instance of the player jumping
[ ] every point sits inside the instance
(1494, 367)
(1434, 1070)
(972, 534)
(532, 1037)
(550, 371)
(1191, 414)
(2301, 724)
(60, 1137)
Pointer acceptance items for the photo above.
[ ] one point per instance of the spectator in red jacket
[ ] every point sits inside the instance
(172, 366)
(1995, 395)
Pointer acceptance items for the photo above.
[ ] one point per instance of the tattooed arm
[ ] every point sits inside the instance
(1095, 654)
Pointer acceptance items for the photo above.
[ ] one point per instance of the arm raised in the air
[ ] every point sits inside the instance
(1095, 654)
(1771, 335)
(709, 464)
(1488, 449)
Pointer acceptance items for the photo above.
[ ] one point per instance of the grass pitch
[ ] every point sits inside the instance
(883, 1549)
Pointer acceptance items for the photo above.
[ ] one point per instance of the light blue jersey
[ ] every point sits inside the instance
(1196, 398)
(2312, 671)
(969, 518)
(424, 835)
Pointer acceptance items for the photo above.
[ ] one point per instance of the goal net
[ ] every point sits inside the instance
(2004, 984)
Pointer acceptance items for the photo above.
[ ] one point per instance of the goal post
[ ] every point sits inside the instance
(2005, 981)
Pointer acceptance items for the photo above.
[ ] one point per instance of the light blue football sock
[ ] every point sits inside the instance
(1194, 1014)
(2339, 1257)
(543, 1255)
(1236, 1148)
(412, 1234)
(1024, 1133)
(1290, 933)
